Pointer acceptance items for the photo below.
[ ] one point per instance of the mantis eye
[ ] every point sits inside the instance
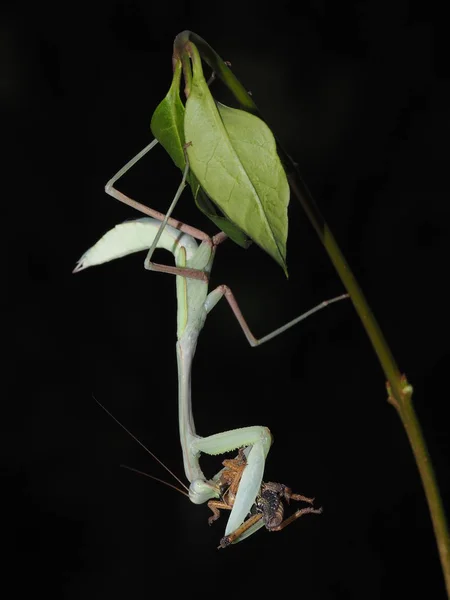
(200, 491)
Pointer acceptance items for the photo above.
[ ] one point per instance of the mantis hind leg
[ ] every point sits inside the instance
(164, 218)
(146, 210)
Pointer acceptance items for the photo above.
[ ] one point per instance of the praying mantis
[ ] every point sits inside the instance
(238, 487)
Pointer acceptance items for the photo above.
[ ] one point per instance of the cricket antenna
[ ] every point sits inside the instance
(147, 450)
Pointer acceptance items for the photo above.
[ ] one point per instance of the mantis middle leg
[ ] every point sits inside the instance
(224, 291)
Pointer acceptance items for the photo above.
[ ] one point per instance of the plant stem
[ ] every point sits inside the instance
(399, 391)
(414, 432)
(180, 54)
(220, 68)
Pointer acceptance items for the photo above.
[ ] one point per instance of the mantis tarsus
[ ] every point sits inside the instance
(193, 265)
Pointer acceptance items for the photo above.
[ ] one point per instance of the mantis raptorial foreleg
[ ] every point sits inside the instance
(259, 440)
(194, 304)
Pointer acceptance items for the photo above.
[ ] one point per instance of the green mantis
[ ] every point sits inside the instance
(194, 305)
(235, 167)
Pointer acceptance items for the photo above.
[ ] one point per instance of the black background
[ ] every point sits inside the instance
(359, 97)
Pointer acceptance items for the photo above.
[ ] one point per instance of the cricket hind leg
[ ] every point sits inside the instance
(288, 495)
(309, 510)
(264, 512)
(250, 526)
(270, 504)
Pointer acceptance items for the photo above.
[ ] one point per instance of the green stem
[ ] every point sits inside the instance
(180, 53)
(414, 432)
(400, 391)
(220, 68)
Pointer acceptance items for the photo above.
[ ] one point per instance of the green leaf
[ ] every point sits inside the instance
(233, 155)
(167, 121)
(167, 127)
(221, 221)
